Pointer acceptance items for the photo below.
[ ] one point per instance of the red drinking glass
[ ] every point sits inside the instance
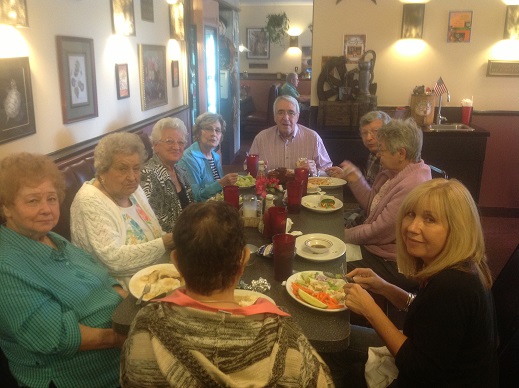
(231, 195)
(301, 174)
(284, 249)
(252, 164)
(294, 194)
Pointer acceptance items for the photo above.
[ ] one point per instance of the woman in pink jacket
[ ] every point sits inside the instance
(400, 147)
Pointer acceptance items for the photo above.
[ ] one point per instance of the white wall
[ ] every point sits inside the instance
(280, 59)
(463, 66)
(87, 19)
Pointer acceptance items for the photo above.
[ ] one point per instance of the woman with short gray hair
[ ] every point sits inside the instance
(399, 149)
(110, 216)
(202, 162)
(163, 181)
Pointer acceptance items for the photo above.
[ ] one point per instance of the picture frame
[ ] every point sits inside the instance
(258, 43)
(152, 74)
(123, 17)
(14, 13)
(17, 108)
(77, 76)
(499, 68)
(511, 22)
(176, 21)
(122, 81)
(147, 11)
(412, 21)
(175, 78)
(354, 47)
(460, 27)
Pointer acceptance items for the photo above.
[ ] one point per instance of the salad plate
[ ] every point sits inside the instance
(311, 280)
(337, 249)
(163, 278)
(249, 297)
(315, 203)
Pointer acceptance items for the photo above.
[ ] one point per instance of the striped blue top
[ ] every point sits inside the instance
(44, 294)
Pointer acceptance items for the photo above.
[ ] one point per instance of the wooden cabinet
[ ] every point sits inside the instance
(460, 154)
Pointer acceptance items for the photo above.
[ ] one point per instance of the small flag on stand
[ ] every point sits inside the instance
(440, 88)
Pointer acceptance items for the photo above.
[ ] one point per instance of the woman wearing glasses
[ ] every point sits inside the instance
(163, 181)
(111, 217)
(202, 162)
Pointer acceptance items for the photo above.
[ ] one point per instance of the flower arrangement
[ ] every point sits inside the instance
(421, 89)
(266, 185)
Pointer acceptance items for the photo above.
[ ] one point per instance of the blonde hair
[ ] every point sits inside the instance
(464, 249)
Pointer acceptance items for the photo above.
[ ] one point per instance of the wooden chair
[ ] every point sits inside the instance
(506, 300)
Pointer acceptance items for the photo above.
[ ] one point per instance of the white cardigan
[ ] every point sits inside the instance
(97, 226)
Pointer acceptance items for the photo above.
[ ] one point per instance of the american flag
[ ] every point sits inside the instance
(440, 87)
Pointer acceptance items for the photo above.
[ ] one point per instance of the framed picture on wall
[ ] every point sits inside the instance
(17, 109)
(14, 12)
(354, 46)
(460, 25)
(258, 44)
(77, 78)
(122, 81)
(176, 21)
(152, 74)
(147, 10)
(174, 74)
(123, 17)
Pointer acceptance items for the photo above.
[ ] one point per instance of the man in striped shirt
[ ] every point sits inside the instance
(285, 143)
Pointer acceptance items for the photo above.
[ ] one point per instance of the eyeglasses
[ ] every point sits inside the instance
(171, 142)
(372, 132)
(283, 113)
(218, 131)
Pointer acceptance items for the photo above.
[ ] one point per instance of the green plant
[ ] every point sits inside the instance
(277, 27)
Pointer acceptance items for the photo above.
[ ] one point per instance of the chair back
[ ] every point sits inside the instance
(506, 300)
(273, 94)
(438, 172)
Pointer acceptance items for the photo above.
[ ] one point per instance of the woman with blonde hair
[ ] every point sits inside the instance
(449, 336)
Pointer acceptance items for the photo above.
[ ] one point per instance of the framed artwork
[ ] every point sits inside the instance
(354, 47)
(122, 81)
(502, 68)
(123, 18)
(460, 25)
(306, 58)
(412, 21)
(77, 78)
(14, 12)
(174, 74)
(17, 109)
(147, 10)
(176, 21)
(258, 44)
(511, 22)
(152, 74)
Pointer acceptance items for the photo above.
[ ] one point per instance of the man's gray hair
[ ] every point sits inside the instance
(286, 98)
(369, 117)
(291, 76)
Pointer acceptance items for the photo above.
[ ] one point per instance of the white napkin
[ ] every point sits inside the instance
(353, 252)
(380, 368)
(289, 225)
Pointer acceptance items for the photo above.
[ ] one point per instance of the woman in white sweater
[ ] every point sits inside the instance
(110, 215)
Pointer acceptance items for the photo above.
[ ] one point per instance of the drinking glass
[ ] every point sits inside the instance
(231, 195)
(301, 174)
(294, 194)
(249, 206)
(284, 249)
(252, 164)
(277, 219)
(466, 112)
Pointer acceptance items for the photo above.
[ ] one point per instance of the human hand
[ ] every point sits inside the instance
(350, 172)
(358, 299)
(368, 279)
(335, 172)
(312, 167)
(229, 179)
(167, 239)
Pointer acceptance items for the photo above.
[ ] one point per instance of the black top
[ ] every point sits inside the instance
(452, 336)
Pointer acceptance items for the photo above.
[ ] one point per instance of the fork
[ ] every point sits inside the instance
(145, 290)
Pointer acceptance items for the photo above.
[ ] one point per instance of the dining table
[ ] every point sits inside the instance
(327, 330)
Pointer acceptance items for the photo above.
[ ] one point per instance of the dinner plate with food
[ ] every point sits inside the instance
(326, 182)
(245, 181)
(321, 203)
(248, 297)
(163, 279)
(317, 291)
(308, 246)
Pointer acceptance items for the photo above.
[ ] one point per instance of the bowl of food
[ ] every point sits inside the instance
(312, 188)
(318, 245)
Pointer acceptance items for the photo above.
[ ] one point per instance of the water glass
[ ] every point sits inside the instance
(252, 164)
(231, 195)
(284, 249)
(294, 194)
(277, 219)
(301, 174)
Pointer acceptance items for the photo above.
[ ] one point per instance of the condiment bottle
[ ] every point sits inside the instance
(261, 180)
(269, 202)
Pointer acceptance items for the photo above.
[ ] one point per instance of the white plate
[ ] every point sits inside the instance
(292, 279)
(313, 202)
(136, 285)
(251, 295)
(338, 247)
(313, 191)
(327, 182)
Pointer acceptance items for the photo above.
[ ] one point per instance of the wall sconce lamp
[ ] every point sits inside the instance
(512, 22)
(294, 41)
(14, 13)
(412, 21)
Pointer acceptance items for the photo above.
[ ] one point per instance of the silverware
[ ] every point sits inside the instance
(347, 279)
(145, 290)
